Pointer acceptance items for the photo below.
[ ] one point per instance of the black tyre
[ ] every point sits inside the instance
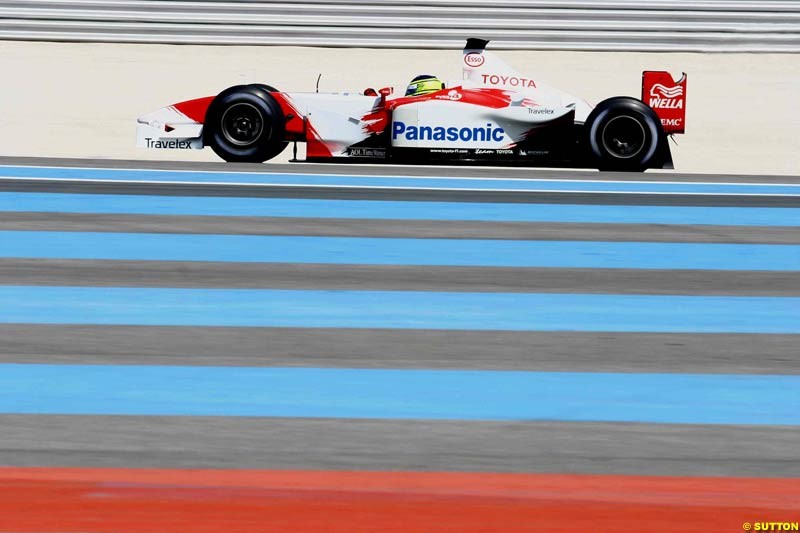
(625, 134)
(245, 124)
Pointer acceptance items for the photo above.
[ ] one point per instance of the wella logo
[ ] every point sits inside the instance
(663, 97)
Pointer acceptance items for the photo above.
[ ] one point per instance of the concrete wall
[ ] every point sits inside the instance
(81, 100)
(641, 25)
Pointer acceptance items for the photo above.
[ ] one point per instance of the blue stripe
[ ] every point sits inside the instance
(398, 182)
(399, 394)
(366, 209)
(378, 251)
(399, 310)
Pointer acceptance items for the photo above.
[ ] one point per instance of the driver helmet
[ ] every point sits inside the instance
(424, 84)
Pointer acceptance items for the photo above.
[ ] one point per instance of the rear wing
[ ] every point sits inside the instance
(667, 97)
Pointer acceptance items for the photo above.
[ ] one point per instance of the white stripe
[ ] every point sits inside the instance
(392, 188)
(400, 176)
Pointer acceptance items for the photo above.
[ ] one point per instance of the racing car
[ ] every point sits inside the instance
(492, 115)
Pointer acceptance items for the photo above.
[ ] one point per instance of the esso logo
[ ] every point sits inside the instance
(474, 59)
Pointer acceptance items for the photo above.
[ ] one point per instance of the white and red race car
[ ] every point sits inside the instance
(494, 114)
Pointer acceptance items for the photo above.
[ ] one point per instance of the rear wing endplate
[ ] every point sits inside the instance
(667, 97)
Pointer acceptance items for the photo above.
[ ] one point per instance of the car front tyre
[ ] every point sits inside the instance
(245, 124)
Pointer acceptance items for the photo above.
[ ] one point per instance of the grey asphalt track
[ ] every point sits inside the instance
(98, 273)
(316, 444)
(412, 195)
(413, 445)
(397, 170)
(390, 348)
(278, 191)
(421, 229)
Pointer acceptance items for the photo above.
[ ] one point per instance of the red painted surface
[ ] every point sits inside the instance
(667, 97)
(142, 500)
(378, 119)
(484, 97)
(298, 128)
(195, 109)
(295, 122)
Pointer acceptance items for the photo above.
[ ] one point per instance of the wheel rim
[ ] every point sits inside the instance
(242, 124)
(623, 137)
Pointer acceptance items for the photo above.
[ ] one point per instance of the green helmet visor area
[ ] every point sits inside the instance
(425, 86)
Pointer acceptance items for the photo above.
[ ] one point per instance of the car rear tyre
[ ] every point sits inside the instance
(624, 134)
(245, 124)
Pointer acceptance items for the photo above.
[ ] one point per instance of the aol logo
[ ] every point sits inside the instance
(451, 95)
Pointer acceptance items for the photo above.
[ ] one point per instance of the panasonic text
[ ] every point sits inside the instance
(440, 133)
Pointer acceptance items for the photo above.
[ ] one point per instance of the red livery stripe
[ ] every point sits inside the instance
(195, 109)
